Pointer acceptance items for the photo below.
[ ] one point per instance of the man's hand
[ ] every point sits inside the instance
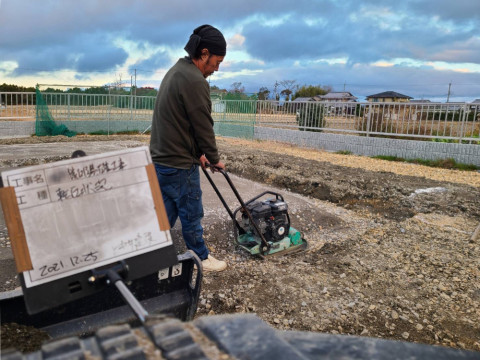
(203, 161)
(219, 165)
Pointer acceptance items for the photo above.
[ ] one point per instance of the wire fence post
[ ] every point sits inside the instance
(463, 123)
(369, 115)
(68, 106)
(109, 111)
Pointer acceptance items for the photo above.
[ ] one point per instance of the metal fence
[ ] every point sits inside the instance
(77, 107)
(17, 106)
(449, 122)
(441, 121)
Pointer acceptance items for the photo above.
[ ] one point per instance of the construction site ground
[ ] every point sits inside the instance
(391, 248)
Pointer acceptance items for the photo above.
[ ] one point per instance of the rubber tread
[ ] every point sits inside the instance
(68, 348)
(112, 331)
(33, 356)
(118, 344)
(91, 347)
(175, 342)
(190, 352)
(11, 355)
(130, 354)
(166, 328)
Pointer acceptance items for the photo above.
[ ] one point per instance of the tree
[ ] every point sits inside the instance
(96, 90)
(74, 90)
(237, 88)
(311, 91)
(275, 90)
(146, 91)
(289, 87)
(286, 93)
(263, 93)
(52, 90)
(15, 88)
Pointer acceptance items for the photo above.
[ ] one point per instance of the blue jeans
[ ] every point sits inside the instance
(182, 197)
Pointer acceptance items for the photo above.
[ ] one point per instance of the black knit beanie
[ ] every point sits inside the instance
(206, 37)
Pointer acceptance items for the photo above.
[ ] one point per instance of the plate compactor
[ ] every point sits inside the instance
(262, 224)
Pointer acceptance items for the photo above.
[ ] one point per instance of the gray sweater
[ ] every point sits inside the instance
(182, 125)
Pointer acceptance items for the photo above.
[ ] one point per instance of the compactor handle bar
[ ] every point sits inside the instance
(265, 247)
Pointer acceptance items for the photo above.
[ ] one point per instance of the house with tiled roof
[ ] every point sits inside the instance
(475, 106)
(388, 96)
(334, 96)
(339, 103)
(302, 99)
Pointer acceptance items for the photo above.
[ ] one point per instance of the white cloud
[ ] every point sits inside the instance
(456, 67)
(8, 67)
(236, 41)
(385, 18)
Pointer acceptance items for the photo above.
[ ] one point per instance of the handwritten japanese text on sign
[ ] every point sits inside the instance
(83, 213)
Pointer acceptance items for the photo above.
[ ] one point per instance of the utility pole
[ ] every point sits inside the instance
(131, 94)
(449, 87)
(344, 85)
(135, 82)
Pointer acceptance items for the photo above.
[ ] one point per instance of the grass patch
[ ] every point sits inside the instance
(128, 132)
(343, 152)
(389, 158)
(123, 132)
(441, 163)
(456, 141)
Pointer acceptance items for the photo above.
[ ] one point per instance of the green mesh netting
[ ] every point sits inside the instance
(235, 118)
(44, 124)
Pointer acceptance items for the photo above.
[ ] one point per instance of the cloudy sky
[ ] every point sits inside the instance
(415, 47)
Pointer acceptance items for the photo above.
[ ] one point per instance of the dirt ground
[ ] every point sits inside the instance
(393, 259)
(391, 247)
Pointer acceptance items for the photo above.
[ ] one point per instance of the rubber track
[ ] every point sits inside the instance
(239, 336)
(121, 342)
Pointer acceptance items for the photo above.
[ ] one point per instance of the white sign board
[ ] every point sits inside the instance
(86, 212)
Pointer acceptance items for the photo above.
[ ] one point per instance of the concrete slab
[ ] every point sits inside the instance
(29, 151)
(214, 209)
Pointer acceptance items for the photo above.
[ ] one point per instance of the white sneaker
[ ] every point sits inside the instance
(211, 264)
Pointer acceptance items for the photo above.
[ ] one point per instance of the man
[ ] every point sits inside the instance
(183, 138)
